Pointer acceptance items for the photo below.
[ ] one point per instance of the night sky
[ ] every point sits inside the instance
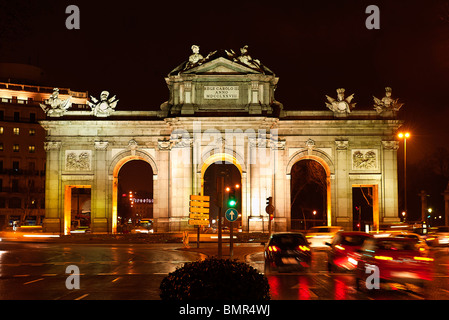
(314, 47)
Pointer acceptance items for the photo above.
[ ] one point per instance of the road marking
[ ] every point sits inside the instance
(49, 275)
(21, 275)
(106, 274)
(81, 297)
(116, 279)
(164, 273)
(34, 281)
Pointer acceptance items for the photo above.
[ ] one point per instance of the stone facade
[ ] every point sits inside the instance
(220, 110)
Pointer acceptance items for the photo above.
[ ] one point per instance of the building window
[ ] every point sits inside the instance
(32, 117)
(15, 203)
(32, 132)
(2, 115)
(15, 166)
(1, 130)
(31, 149)
(16, 131)
(1, 146)
(15, 148)
(15, 185)
(16, 116)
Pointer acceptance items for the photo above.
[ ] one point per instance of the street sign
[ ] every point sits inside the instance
(203, 204)
(231, 214)
(199, 216)
(194, 222)
(199, 198)
(199, 209)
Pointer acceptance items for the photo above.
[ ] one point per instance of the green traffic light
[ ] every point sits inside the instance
(232, 202)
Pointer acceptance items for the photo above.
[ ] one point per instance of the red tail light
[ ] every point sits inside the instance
(273, 249)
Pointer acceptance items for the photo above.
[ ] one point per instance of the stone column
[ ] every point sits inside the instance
(343, 209)
(101, 219)
(161, 187)
(53, 193)
(279, 185)
(181, 183)
(390, 182)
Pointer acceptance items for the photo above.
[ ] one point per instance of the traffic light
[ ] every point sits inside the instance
(232, 202)
(269, 201)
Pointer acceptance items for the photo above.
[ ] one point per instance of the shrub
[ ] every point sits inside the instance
(215, 279)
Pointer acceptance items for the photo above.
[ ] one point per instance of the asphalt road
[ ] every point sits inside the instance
(37, 271)
(319, 284)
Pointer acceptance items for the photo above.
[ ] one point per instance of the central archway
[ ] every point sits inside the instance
(236, 169)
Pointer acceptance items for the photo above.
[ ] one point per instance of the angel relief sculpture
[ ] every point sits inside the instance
(54, 106)
(341, 104)
(387, 103)
(105, 106)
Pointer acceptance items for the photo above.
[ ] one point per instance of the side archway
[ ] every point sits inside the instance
(116, 164)
(328, 167)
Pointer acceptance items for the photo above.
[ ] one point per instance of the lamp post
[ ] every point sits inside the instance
(405, 135)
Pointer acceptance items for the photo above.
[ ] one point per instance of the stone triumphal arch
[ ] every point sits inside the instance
(221, 108)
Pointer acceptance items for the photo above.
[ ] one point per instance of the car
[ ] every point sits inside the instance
(420, 241)
(140, 229)
(396, 260)
(342, 254)
(318, 236)
(287, 251)
(438, 237)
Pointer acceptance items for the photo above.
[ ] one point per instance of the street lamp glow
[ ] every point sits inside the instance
(405, 135)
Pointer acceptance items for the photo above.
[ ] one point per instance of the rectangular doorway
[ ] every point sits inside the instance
(77, 209)
(365, 207)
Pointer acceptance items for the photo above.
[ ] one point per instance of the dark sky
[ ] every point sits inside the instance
(128, 47)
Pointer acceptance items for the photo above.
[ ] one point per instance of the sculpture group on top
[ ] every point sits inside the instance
(342, 106)
(54, 106)
(105, 106)
(387, 103)
(197, 59)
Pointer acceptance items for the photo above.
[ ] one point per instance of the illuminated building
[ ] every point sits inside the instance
(22, 153)
(221, 109)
